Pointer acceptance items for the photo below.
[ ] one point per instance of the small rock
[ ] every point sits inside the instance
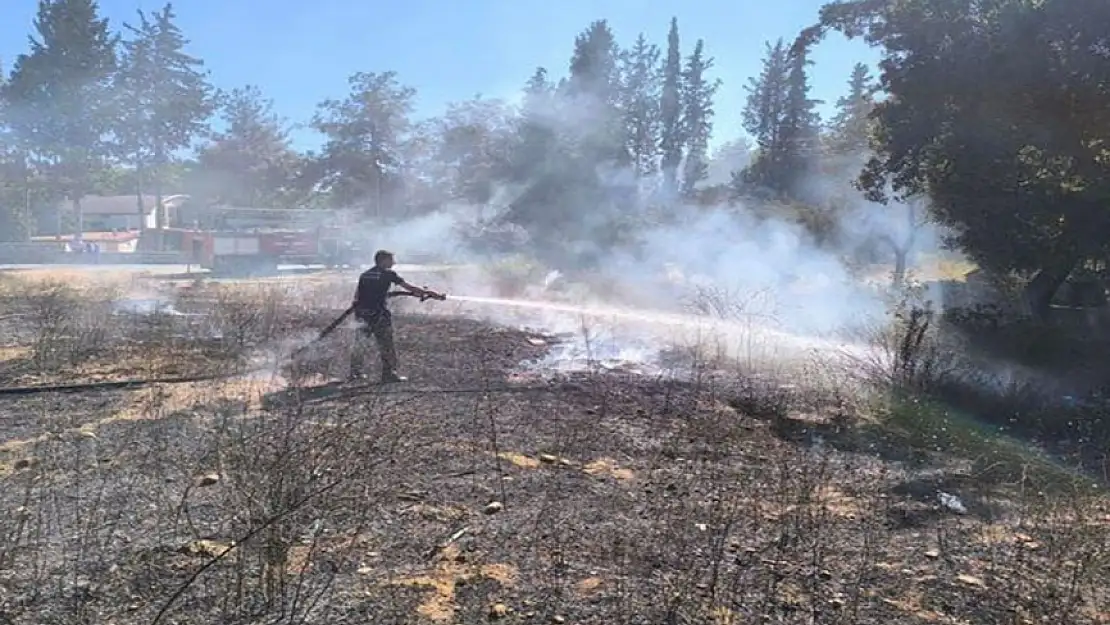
(837, 602)
(208, 479)
(205, 548)
(365, 570)
(932, 554)
(498, 610)
(825, 575)
(23, 463)
(494, 507)
(548, 459)
(970, 580)
(558, 619)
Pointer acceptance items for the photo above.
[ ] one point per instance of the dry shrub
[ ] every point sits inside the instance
(67, 326)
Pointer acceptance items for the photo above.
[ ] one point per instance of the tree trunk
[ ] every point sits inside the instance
(898, 278)
(1042, 288)
(79, 214)
(159, 208)
(139, 169)
(901, 258)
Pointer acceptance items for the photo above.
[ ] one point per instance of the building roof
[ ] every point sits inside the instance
(124, 204)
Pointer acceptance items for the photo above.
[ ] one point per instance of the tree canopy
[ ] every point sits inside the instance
(988, 116)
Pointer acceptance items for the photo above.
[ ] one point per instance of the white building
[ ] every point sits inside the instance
(121, 212)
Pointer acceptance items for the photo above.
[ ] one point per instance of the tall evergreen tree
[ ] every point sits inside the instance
(697, 117)
(365, 132)
(166, 100)
(251, 162)
(640, 105)
(60, 109)
(848, 129)
(670, 110)
(535, 135)
(594, 85)
(15, 217)
(764, 118)
(783, 119)
(801, 125)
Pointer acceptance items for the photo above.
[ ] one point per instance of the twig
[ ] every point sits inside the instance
(251, 534)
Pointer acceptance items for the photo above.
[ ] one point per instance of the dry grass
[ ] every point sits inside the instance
(927, 269)
(588, 499)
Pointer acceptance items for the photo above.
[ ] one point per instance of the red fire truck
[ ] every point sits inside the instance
(255, 246)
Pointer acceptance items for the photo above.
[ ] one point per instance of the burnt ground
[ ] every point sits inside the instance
(476, 493)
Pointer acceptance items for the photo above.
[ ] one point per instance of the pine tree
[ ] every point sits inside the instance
(763, 117)
(251, 162)
(670, 111)
(60, 109)
(697, 118)
(783, 120)
(594, 86)
(167, 99)
(848, 129)
(801, 126)
(15, 216)
(536, 138)
(365, 134)
(640, 105)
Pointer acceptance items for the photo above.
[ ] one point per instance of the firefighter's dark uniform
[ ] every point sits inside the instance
(373, 314)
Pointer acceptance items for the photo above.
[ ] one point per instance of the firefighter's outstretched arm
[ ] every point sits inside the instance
(420, 292)
(415, 290)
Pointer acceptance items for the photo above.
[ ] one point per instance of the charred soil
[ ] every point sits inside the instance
(480, 492)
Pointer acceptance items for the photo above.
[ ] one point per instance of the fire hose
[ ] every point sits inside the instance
(425, 296)
(135, 383)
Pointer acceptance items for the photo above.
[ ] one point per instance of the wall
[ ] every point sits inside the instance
(104, 223)
(52, 254)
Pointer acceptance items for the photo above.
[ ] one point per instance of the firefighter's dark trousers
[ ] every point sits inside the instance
(380, 327)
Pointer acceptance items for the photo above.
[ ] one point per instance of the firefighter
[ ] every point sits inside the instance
(373, 314)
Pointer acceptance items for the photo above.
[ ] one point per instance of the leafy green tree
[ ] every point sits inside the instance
(365, 134)
(165, 101)
(473, 146)
(1003, 127)
(58, 95)
(670, 111)
(697, 117)
(251, 162)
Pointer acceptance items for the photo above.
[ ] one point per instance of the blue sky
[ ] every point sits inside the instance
(301, 52)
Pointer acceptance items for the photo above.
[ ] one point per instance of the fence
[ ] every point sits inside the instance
(54, 254)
